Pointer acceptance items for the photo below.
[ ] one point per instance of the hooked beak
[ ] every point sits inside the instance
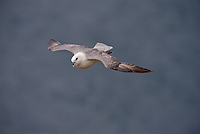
(74, 65)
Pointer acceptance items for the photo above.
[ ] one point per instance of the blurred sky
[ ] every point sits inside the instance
(42, 94)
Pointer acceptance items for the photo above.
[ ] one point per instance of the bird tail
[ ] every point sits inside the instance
(126, 67)
(53, 44)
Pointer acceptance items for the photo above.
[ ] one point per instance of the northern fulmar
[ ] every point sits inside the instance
(85, 57)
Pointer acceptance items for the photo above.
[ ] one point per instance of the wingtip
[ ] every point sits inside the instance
(102, 47)
(127, 67)
(148, 71)
(52, 44)
(145, 70)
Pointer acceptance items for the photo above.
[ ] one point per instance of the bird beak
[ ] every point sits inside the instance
(74, 65)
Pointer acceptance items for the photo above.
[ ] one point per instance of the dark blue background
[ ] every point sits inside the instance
(42, 94)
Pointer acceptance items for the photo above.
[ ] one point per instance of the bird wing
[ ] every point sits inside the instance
(102, 47)
(112, 63)
(54, 45)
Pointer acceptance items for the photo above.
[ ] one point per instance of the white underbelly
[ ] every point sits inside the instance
(87, 63)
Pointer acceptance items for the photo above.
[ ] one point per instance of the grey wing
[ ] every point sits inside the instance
(54, 45)
(102, 47)
(108, 60)
(127, 67)
(112, 63)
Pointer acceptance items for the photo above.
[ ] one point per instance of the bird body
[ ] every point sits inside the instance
(85, 57)
(80, 60)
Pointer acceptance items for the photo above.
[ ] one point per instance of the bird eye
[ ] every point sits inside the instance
(76, 58)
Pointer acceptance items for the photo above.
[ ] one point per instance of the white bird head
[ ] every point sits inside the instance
(77, 59)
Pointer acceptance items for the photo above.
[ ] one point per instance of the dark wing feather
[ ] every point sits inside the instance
(112, 63)
(127, 67)
(54, 45)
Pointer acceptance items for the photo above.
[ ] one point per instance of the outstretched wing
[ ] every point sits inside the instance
(127, 67)
(112, 63)
(54, 45)
(102, 47)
